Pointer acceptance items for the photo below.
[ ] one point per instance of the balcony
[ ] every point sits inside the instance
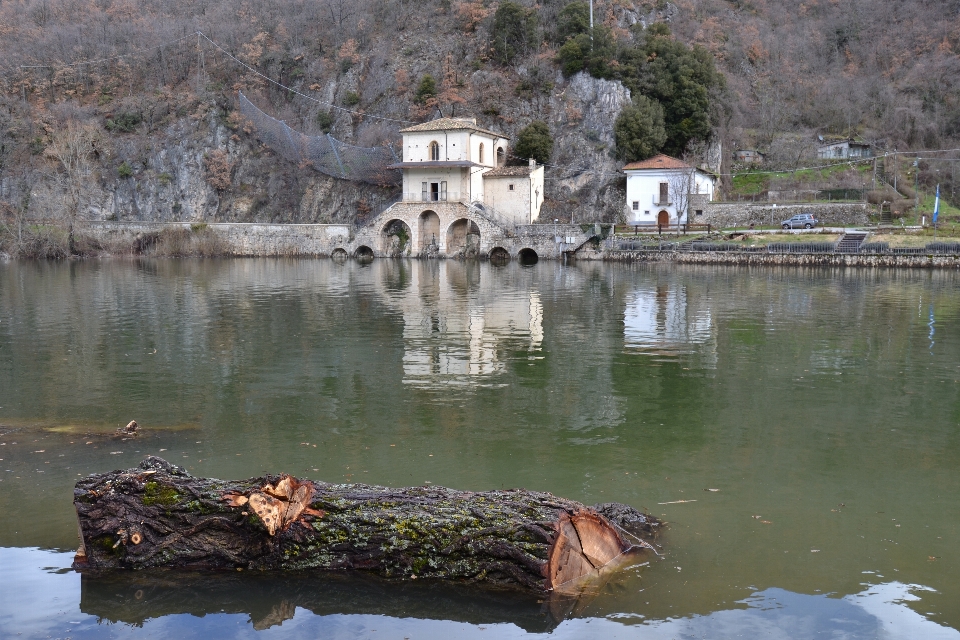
(434, 196)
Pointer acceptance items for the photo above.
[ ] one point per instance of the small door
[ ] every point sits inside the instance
(434, 191)
(663, 219)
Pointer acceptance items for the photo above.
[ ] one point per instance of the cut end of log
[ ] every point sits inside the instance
(280, 505)
(585, 543)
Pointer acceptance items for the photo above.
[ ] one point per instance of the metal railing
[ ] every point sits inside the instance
(434, 196)
(492, 215)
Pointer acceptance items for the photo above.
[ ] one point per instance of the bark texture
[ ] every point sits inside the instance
(157, 515)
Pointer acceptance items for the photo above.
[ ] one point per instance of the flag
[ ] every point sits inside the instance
(936, 206)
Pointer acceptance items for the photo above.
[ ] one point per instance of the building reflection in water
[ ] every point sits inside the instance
(668, 319)
(456, 325)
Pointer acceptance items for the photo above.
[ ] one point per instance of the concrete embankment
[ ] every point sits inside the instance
(787, 259)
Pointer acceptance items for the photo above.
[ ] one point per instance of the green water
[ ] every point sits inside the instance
(822, 406)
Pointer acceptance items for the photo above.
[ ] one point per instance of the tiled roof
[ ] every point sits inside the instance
(451, 124)
(661, 161)
(509, 172)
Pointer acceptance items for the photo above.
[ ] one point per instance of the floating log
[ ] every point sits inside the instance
(158, 515)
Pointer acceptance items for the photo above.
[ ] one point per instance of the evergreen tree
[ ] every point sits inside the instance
(639, 131)
(534, 141)
(514, 31)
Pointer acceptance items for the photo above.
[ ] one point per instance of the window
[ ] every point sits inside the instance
(664, 193)
(481, 153)
(511, 187)
(434, 150)
(698, 212)
(636, 205)
(501, 156)
(646, 213)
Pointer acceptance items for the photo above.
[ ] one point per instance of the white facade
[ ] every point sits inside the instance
(454, 160)
(516, 193)
(658, 187)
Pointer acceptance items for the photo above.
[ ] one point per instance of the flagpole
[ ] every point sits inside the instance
(936, 212)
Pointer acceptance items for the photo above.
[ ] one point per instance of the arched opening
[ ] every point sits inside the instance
(434, 150)
(663, 219)
(463, 238)
(339, 254)
(527, 256)
(363, 254)
(429, 231)
(397, 238)
(481, 153)
(501, 156)
(499, 255)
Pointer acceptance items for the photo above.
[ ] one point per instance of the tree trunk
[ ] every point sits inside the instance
(157, 515)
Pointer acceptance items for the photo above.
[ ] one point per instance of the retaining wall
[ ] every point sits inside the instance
(743, 214)
(241, 239)
(786, 259)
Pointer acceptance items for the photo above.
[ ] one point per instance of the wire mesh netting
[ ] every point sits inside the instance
(326, 154)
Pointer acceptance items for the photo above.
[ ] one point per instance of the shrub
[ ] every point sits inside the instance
(124, 122)
(125, 170)
(324, 121)
(426, 89)
(351, 98)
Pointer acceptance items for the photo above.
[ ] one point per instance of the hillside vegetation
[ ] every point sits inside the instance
(101, 121)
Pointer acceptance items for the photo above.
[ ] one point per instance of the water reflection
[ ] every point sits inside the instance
(50, 602)
(666, 319)
(454, 329)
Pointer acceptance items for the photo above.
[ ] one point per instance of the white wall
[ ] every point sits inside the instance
(643, 187)
(522, 204)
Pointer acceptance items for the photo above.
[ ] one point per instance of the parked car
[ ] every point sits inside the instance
(800, 221)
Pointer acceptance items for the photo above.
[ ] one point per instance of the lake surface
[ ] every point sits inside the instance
(798, 428)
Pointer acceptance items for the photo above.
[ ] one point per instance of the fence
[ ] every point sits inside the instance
(867, 248)
(326, 154)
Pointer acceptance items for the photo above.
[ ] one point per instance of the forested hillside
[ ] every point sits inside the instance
(120, 109)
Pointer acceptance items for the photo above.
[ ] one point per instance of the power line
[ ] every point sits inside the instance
(116, 57)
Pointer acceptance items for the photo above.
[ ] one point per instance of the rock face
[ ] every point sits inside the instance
(589, 186)
(167, 174)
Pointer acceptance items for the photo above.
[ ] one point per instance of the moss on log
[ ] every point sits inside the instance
(157, 515)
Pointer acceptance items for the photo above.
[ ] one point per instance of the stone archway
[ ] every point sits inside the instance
(339, 254)
(396, 238)
(363, 253)
(528, 256)
(499, 255)
(429, 231)
(463, 238)
(663, 218)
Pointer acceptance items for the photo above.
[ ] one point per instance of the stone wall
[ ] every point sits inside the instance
(743, 214)
(785, 259)
(240, 239)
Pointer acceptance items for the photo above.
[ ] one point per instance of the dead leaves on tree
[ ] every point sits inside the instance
(278, 506)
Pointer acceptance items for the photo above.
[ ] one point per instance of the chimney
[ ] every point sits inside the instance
(533, 162)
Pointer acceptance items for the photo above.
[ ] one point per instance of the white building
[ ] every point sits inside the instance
(662, 188)
(454, 160)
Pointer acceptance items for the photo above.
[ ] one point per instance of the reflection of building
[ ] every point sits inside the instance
(665, 318)
(454, 330)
